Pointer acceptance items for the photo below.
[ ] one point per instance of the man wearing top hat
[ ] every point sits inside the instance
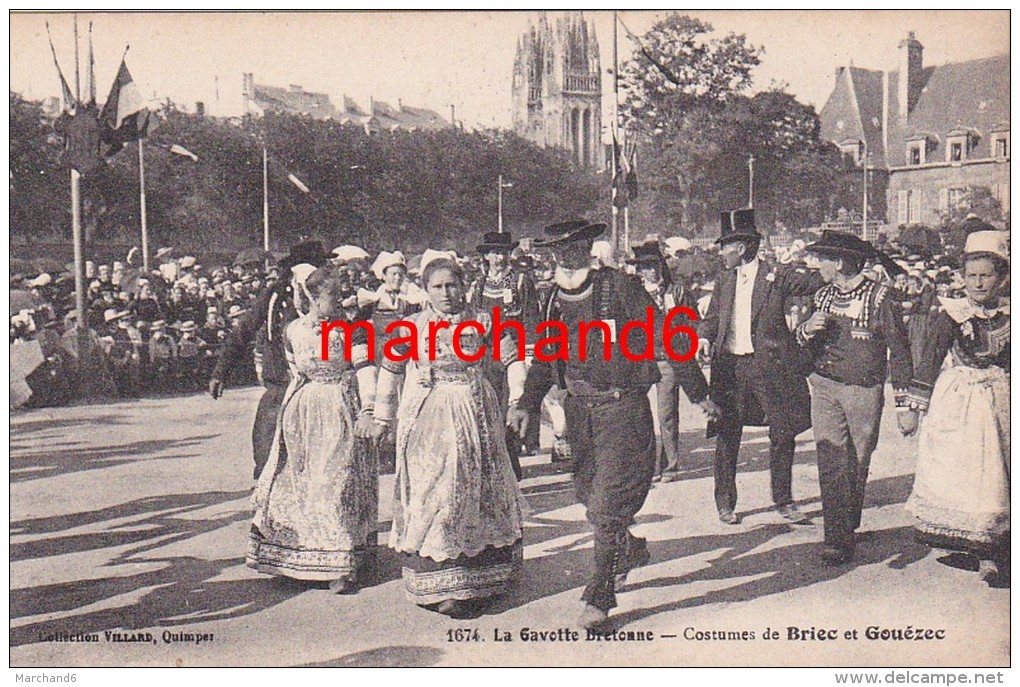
(513, 292)
(856, 335)
(270, 314)
(758, 370)
(608, 415)
(658, 281)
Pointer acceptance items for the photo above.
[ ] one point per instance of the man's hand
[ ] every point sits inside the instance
(704, 355)
(816, 323)
(215, 387)
(907, 420)
(710, 409)
(518, 420)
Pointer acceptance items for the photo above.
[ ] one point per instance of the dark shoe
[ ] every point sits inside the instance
(790, 513)
(837, 555)
(636, 555)
(455, 608)
(668, 477)
(592, 618)
(728, 517)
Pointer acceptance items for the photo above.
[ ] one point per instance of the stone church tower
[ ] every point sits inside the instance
(557, 86)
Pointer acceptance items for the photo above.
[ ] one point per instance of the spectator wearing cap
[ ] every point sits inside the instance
(162, 358)
(124, 356)
(668, 297)
(265, 321)
(758, 371)
(856, 337)
(190, 352)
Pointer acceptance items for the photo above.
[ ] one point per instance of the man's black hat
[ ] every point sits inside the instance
(646, 253)
(841, 244)
(310, 252)
(738, 225)
(562, 233)
(497, 242)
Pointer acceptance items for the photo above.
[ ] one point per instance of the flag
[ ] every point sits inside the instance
(91, 74)
(184, 152)
(631, 180)
(297, 182)
(124, 116)
(621, 197)
(70, 104)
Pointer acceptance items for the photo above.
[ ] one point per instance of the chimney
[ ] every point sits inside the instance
(200, 108)
(400, 104)
(911, 64)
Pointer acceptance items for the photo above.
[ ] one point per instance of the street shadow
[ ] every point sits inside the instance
(30, 465)
(179, 592)
(385, 657)
(23, 430)
(775, 571)
(163, 524)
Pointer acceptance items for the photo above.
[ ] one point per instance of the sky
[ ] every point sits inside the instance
(439, 59)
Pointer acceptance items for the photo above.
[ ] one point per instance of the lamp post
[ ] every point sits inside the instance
(499, 201)
(750, 182)
(864, 213)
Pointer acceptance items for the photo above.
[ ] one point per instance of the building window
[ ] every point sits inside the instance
(916, 154)
(909, 206)
(1000, 146)
(956, 152)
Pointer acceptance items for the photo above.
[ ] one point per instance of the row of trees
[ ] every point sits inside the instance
(393, 189)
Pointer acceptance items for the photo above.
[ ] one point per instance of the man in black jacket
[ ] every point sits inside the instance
(608, 416)
(758, 371)
(272, 311)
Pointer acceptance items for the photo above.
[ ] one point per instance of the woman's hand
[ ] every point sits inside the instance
(907, 421)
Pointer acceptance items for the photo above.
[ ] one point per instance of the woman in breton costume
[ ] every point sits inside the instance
(456, 511)
(962, 485)
(316, 502)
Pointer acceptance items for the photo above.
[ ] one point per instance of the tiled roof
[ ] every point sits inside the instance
(868, 87)
(973, 94)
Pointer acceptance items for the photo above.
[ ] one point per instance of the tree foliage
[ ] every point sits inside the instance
(697, 133)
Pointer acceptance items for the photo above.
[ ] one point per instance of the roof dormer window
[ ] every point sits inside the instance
(960, 143)
(853, 150)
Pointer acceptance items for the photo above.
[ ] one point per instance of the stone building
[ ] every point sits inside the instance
(557, 86)
(377, 116)
(931, 134)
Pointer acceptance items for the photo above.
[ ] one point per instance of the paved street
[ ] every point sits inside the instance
(132, 517)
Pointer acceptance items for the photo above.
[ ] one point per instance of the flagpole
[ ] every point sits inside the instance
(141, 202)
(79, 269)
(77, 68)
(265, 199)
(499, 202)
(616, 115)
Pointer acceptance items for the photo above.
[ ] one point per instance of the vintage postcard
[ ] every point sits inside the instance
(205, 473)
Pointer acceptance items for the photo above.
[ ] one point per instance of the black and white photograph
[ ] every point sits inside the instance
(522, 338)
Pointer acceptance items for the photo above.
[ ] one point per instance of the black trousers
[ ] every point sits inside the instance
(264, 429)
(750, 388)
(612, 441)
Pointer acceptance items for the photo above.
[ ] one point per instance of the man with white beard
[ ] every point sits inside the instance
(608, 414)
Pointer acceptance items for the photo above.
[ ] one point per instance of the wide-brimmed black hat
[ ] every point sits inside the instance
(737, 225)
(572, 230)
(497, 242)
(310, 252)
(841, 244)
(646, 253)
